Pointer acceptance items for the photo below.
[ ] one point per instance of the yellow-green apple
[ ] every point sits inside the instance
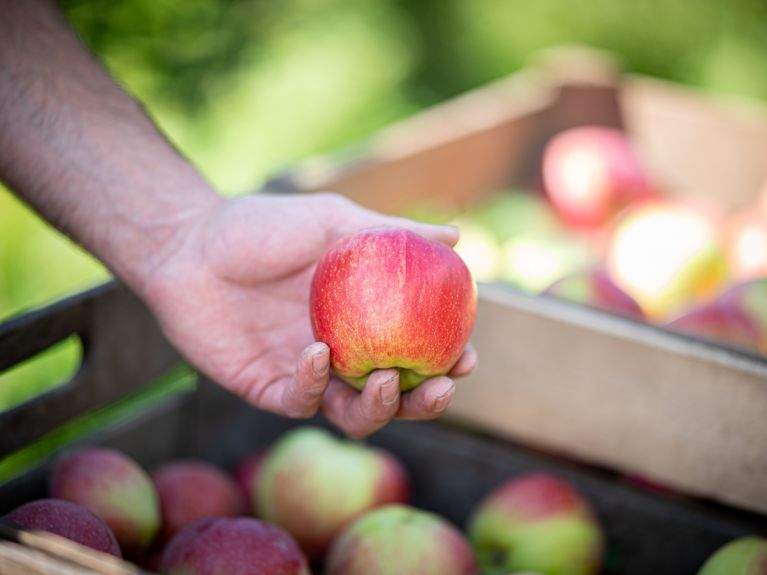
(113, 487)
(313, 485)
(743, 556)
(247, 476)
(512, 212)
(397, 539)
(590, 173)
(666, 255)
(594, 288)
(390, 298)
(746, 243)
(190, 490)
(718, 321)
(479, 249)
(532, 261)
(751, 298)
(233, 546)
(66, 519)
(539, 523)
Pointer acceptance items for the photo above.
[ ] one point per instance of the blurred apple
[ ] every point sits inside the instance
(746, 243)
(595, 288)
(533, 261)
(590, 173)
(743, 556)
(666, 255)
(246, 475)
(313, 485)
(537, 523)
(512, 212)
(479, 249)
(751, 298)
(400, 540)
(718, 321)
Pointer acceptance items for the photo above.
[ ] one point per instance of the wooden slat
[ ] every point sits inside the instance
(123, 349)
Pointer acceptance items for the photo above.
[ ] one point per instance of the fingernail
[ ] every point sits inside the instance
(390, 390)
(320, 363)
(444, 393)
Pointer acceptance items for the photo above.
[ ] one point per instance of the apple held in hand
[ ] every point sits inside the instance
(537, 523)
(397, 540)
(744, 556)
(389, 298)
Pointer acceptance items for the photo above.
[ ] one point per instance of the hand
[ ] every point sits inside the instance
(233, 298)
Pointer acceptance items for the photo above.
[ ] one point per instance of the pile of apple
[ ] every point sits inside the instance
(602, 233)
(309, 500)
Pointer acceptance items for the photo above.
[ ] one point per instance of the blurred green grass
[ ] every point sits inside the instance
(246, 88)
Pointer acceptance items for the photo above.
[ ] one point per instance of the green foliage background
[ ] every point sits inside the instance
(245, 88)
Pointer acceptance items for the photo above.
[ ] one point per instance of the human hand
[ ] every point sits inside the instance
(233, 297)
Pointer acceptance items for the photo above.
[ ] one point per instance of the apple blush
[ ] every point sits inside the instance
(390, 298)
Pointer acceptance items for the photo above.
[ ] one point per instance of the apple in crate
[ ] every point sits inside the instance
(247, 476)
(396, 540)
(743, 556)
(590, 173)
(233, 546)
(719, 321)
(536, 523)
(390, 298)
(595, 288)
(313, 485)
(667, 255)
(746, 243)
(115, 488)
(751, 298)
(191, 490)
(66, 519)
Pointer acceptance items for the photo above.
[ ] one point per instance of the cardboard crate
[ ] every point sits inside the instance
(451, 467)
(604, 389)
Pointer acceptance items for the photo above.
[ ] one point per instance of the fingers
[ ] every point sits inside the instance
(359, 414)
(427, 401)
(465, 364)
(302, 395)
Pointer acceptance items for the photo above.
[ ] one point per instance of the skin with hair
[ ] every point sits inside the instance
(228, 279)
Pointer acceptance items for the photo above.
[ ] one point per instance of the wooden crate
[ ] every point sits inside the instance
(604, 389)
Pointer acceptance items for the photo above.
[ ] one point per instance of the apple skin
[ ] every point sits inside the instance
(751, 298)
(398, 539)
(537, 523)
(590, 173)
(233, 546)
(743, 556)
(190, 490)
(247, 475)
(313, 485)
(66, 519)
(719, 321)
(113, 487)
(667, 255)
(389, 298)
(595, 288)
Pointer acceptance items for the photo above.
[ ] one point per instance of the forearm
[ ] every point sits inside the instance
(83, 153)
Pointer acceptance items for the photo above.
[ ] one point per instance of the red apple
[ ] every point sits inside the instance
(751, 298)
(667, 255)
(247, 477)
(115, 488)
(719, 321)
(66, 519)
(191, 490)
(595, 288)
(590, 173)
(233, 546)
(743, 556)
(389, 298)
(397, 540)
(313, 485)
(536, 523)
